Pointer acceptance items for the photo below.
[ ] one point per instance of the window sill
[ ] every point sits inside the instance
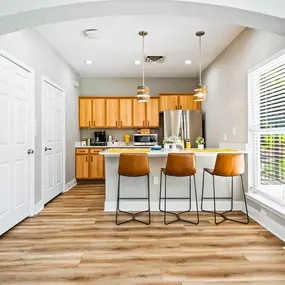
(272, 206)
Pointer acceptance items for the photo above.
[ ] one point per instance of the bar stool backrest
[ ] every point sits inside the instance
(229, 164)
(180, 164)
(133, 164)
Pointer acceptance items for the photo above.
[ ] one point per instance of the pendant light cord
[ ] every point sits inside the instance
(200, 55)
(143, 61)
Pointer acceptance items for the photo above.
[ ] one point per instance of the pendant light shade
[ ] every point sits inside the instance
(143, 90)
(200, 93)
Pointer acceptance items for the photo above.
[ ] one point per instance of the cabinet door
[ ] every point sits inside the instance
(96, 166)
(112, 112)
(126, 112)
(82, 166)
(99, 113)
(85, 113)
(186, 102)
(139, 119)
(152, 113)
(168, 102)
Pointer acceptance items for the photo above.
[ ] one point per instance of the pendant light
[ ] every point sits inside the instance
(143, 90)
(200, 93)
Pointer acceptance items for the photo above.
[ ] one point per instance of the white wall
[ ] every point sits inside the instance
(29, 47)
(128, 86)
(226, 78)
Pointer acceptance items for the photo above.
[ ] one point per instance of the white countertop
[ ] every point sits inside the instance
(164, 153)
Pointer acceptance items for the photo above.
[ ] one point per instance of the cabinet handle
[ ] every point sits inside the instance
(94, 123)
(143, 123)
(92, 158)
(89, 123)
(116, 123)
(148, 123)
(121, 123)
(86, 158)
(180, 107)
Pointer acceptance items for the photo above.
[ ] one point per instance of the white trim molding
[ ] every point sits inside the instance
(38, 207)
(70, 185)
(171, 206)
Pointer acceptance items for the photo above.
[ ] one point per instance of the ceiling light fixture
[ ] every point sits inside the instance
(89, 62)
(188, 61)
(200, 93)
(143, 90)
(137, 62)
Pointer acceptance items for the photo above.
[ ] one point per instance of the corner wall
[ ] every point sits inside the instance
(226, 79)
(29, 47)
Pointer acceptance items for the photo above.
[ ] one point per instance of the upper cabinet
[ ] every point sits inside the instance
(152, 113)
(139, 111)
(126, 113)
(168, 102)
(186, 102)
(178, 102)
(85, 113)
(112, 113)
(98, 113)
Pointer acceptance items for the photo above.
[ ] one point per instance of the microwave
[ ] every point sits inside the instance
(145, 139)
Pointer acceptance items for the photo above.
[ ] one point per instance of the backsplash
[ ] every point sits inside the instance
(117, 134)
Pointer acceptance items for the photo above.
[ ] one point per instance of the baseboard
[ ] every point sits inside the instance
(70, 185)
(268, 220)
(38, 207)
(171, 206)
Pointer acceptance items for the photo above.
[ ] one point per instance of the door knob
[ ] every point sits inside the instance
(30, 151)
(47, 148)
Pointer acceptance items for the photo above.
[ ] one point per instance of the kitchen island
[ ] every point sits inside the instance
(136, 187)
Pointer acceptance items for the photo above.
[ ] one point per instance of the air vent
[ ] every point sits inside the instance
(155, 59)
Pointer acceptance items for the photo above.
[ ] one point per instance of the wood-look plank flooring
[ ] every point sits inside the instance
(74, 242)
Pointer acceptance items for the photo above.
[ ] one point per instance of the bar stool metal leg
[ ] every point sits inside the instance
(133, 214)
(231, 198)
(178, 217)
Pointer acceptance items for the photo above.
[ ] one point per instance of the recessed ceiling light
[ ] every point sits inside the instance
(188, 61)
(137, 62)
(88, 62)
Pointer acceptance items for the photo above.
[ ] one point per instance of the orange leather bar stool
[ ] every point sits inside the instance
(133, 165)
(179, 165)
(227, 165)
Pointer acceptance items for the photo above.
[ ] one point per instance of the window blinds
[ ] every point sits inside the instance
(267, 126)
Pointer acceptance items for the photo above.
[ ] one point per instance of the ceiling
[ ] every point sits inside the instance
(118, 45)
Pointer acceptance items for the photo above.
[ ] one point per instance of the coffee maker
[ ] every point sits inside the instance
(100, 138)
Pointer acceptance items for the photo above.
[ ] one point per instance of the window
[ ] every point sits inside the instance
(267, 129)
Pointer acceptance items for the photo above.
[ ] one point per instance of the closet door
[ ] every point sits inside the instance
(16, 143)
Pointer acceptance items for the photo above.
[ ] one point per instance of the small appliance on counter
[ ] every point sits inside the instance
(100, 139)
(145, 139)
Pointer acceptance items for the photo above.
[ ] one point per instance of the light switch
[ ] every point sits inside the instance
(234, 131)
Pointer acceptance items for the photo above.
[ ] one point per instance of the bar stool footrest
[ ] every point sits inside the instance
(134, 217)
(179, 218)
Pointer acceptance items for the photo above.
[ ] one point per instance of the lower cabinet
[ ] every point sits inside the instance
(89, 164)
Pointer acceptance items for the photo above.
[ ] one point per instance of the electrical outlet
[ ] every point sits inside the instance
(155, 180)
(225, 137)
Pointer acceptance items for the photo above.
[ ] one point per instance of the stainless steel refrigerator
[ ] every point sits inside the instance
(184, 124)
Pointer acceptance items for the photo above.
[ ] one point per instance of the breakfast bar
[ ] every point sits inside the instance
(131, 187)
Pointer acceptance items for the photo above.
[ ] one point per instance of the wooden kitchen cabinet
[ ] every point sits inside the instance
(186, 102)
(82, 166)
(126, 113)
(85, 112)
(112, 113)
(98, 113)
(168, 102)
(139, 114)
(89, 164)
(96, 167)
(152, 113)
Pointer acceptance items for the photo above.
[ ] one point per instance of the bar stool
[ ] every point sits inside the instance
(179, 165)
(227, 165)
(133, 165)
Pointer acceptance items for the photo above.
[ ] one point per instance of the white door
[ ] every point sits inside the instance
(53, 139)
(16, 138)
